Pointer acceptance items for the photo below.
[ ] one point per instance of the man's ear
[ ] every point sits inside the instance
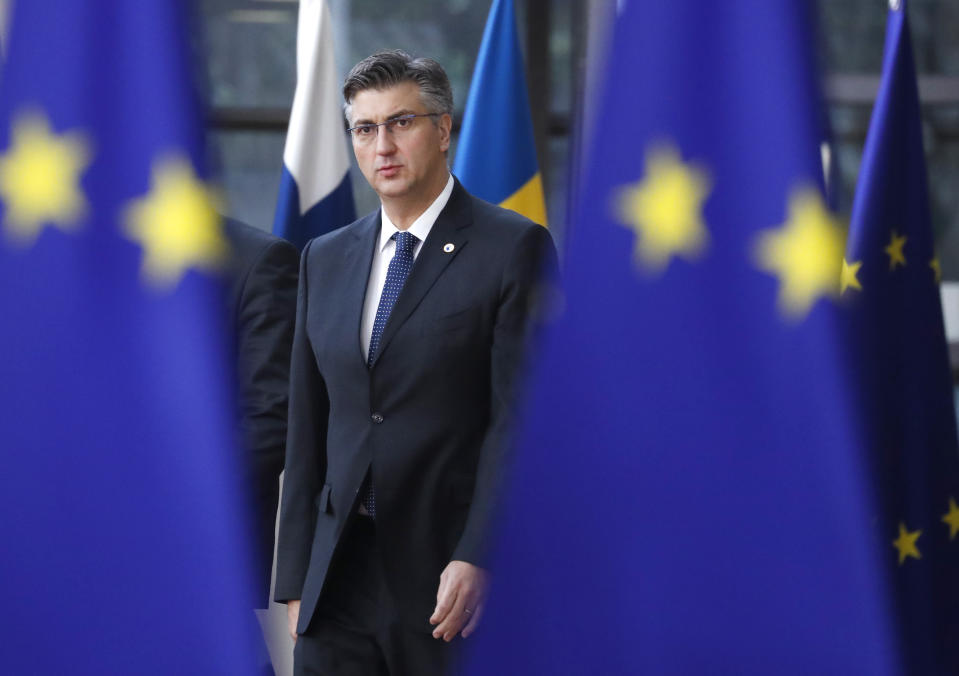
(446, 128)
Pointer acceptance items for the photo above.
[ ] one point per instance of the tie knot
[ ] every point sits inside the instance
(405, 241)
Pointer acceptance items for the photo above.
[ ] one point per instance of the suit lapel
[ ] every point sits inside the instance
(357, 260)
(451, 227)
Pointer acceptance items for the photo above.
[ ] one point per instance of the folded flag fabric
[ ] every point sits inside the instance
(315, 195)
(125, 547)
(897, 347)
(495, 154)
(689, 493)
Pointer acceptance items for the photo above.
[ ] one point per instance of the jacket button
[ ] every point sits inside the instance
(377, 418)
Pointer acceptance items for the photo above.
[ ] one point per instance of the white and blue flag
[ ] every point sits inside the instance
(315, 195)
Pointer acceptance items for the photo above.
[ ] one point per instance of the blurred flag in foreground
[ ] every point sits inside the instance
(689, 495)
(890, 282)
(122, 529)
(495, 155)
(315, 193)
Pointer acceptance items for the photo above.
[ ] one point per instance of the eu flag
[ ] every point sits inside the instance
(897, 344)
(122, 526)
(689, 495)
(495, 154)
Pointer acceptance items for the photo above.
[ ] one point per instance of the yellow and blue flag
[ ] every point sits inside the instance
(495, 154)
(897, 343)
(689, 494)
(123, 528)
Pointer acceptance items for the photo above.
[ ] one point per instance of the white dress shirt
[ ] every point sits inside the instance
(384, 252)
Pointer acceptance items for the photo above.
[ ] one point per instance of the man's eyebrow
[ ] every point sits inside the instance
(391, 116)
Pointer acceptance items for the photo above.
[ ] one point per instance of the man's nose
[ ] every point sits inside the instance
(385, 145)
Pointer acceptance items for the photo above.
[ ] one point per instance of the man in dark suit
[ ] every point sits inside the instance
(411, 324)
(261, 301)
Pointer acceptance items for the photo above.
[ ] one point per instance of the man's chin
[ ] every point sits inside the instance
(393, 187)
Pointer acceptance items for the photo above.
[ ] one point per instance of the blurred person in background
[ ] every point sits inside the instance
(261, 301)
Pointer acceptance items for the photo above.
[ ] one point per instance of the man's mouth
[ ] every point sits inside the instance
(389, 170)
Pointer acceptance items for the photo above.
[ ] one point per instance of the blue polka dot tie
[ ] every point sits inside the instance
(396, 274)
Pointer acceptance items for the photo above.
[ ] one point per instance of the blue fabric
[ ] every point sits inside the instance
(689, 493)
(335, 210)
(495, 155)
(125, 550)
(897, 344)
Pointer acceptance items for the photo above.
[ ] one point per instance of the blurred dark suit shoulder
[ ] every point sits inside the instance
(261, 301)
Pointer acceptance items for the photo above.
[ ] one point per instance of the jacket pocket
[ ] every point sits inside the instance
(453, 321)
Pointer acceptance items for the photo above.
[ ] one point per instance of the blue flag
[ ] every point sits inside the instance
(122, 528)
(890, 283)
(689, 494)
(315, 194)
(495, 155)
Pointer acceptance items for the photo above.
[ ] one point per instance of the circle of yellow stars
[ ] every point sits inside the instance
(176, 222)
(40, 178)
(664, 209)
(895, 250)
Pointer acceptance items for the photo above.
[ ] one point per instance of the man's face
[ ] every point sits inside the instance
(406, 163)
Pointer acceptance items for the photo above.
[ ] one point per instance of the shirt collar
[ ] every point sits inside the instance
(421, 226)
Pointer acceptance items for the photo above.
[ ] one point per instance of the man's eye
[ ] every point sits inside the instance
(364, 130)
(403, 122)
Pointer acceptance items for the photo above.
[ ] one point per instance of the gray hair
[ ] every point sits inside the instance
(392, 67)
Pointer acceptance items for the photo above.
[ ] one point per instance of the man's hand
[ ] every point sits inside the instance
(459, 600)
(292, 615)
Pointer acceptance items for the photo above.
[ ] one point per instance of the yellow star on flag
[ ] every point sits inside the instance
(906, 543)
(176, 223)
(936, 269)
(664, 209)
(806, 253)
(952, 519)
(894, 250)
(40, 178)
(848, 279)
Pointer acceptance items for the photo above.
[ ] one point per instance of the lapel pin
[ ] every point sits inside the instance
(448, 247)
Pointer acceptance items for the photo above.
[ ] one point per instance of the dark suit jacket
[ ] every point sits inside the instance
(430, 414)
(261, 300)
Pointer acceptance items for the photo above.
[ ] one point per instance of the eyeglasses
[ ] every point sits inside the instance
(364, 133)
